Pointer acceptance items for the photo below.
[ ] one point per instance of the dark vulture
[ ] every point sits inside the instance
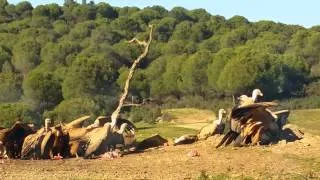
(46, 143)
(254, 124)
(151, 142)
(11, 139)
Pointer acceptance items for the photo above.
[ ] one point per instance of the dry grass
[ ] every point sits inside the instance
(190, 115)
(307, 119)
(166, 130)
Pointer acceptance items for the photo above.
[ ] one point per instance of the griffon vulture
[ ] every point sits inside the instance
(11, 139)
(245, 100)
(46, 143)
(102, 139)
(99, 138)
(254, 124)
(217, 127)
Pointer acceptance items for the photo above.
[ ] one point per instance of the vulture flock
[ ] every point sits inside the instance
(65, 140)
(250, 122)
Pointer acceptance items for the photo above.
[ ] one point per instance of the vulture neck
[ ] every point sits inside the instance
(219, 118)
(46, 126)
(254, 96)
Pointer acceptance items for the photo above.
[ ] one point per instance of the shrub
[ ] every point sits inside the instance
(311, 102)
(11, 112)
(146, 114)
(72, 109)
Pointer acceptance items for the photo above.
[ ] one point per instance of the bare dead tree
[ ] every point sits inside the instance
(146, 45)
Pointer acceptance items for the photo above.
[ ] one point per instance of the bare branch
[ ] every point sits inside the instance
(115, 114)
(135, 40)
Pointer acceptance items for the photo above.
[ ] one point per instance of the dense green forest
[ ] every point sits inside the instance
(70, 60)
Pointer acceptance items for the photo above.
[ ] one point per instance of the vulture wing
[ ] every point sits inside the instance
(207, 131)
(96, 138)
(77, 123)
(282, 117)
(31, 144)
(244, 110)
(103, 119)
(130, 125)
(249, 122)
(14, 138)
(47, 144)
(77, 133)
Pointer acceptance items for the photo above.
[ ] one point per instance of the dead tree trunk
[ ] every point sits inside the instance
(146, 45)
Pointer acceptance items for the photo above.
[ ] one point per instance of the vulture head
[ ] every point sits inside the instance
(221, 114)
(47, 124)
(256, 93)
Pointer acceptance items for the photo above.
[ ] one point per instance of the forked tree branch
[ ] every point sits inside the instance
(146, 45)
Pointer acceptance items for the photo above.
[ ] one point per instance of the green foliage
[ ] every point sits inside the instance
(146, 114)
(11, 112)
(42, 88)
(99, 77)
(72, 109)
(55, 54)
(10, 87)
(215, 68)
(193, 74)
(5, 55)
(24, 9)
(61, 54)
(26, 55)
(138, 85)
(106, 11)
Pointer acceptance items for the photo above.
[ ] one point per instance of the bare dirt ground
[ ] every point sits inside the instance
(297, 160)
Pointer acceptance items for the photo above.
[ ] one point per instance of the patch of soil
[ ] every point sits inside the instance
(299, 159)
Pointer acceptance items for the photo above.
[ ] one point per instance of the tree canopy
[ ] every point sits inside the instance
(73, 59)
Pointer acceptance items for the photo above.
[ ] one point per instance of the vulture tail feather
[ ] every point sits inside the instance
(229, 137)
(233, 136)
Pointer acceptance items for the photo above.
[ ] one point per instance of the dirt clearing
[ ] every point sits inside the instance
(300, 159)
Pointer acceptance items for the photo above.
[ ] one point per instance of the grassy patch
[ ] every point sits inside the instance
(307, 119)
(166, 130)
(190, 115)
(312, 163)
(205, 176)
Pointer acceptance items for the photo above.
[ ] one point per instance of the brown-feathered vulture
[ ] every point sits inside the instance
(103, 139)
(245, 100)
(76, 129)
(217, 127)
(11, 139)
(98, 138)
(46, 143)
(254, 124)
